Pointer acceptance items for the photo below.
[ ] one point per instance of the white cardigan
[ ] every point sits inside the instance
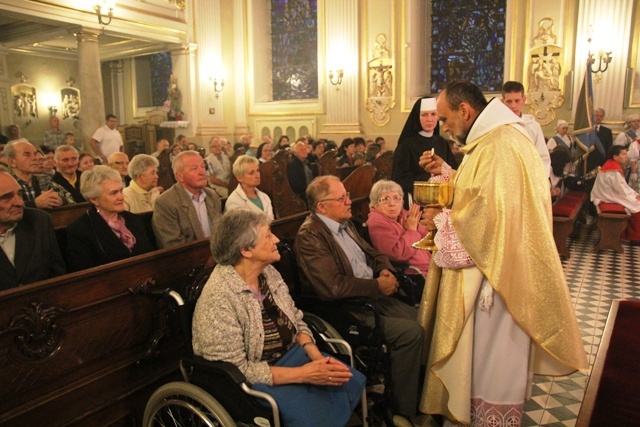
(239, 200)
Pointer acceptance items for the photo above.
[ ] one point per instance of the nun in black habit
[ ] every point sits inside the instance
(420, 133)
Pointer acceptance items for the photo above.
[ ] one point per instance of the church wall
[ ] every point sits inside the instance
(48, 76)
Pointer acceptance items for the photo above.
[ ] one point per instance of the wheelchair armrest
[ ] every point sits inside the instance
(216, 367)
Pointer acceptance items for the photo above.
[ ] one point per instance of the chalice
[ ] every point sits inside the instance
(431, 195)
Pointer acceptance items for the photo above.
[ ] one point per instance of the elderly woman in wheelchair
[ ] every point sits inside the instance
(246, 316)
(392, 229)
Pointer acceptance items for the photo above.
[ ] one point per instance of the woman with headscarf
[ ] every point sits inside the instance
(420, 133)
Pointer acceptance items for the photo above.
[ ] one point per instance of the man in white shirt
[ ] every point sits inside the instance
(107, 139)
(514, 98)
(218, 168)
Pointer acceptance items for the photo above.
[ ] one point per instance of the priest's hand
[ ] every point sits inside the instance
(432, 163)
(428, 214)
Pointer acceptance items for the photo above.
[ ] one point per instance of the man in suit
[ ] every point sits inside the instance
(29, 248)
(336, 263)
(299, 172)
(604, 133)
(186, 211)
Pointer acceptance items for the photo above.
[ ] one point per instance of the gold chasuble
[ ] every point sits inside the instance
(502, 215)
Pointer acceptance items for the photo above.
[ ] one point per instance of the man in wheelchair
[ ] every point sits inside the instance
(337, 264)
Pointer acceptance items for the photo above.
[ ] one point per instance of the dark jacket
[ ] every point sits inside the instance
(73, 189)
(325, 267)
(297, 177)
(37, 256)
(91, 242)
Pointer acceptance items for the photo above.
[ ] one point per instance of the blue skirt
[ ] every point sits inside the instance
(313, 405)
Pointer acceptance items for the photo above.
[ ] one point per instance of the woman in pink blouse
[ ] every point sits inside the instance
(393, 229)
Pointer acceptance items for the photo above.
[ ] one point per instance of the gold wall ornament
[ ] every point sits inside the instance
(544, 74)
(545, 32)
(180, 4)
(380, 98)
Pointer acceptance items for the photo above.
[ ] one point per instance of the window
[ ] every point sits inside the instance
(294, 49)
(153, 74)
(467, 42)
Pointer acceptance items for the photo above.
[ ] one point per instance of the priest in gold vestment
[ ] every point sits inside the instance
(496, 306)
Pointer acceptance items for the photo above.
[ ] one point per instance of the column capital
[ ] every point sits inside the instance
(184, 49)
(84, 34)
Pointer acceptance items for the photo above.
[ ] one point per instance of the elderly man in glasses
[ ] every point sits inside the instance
(336, 263)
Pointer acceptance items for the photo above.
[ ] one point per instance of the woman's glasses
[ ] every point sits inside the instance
(389, 199)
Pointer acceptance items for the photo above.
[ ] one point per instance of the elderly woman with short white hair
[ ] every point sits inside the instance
(141, 194)
(392, 229)
(246, 169)
(245, 316)
(106, 233)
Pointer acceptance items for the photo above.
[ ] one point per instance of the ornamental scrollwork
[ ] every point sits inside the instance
(37, 331)
(380, 97)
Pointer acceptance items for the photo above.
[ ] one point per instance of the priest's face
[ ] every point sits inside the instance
(452, 122)
(428, 120)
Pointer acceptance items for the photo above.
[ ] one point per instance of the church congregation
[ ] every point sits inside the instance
(289, 166)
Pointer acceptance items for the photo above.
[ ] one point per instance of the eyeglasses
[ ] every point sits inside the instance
(388, 199)
(339, 199)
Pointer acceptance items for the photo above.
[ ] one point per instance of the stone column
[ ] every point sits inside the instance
(239, 87)
(92, 111)
(342, 34)
(210, 65)
(117, 88)
(6, 102)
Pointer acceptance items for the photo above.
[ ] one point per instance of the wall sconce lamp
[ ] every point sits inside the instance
(604, 58)
(52, 110)
(107, 5)
(218, 85)
(338, 81)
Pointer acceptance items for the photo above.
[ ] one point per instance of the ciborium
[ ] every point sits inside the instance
(431, 195)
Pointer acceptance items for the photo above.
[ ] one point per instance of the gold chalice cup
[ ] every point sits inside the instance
(431, 195)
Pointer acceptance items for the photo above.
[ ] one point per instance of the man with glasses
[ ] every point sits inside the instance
(336, 263)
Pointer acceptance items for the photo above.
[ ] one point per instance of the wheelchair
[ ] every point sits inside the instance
(372, 355)
(217, 393)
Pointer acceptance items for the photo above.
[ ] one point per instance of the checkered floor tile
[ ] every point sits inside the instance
(595, 280)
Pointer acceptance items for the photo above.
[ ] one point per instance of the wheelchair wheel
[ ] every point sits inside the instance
(181, 404)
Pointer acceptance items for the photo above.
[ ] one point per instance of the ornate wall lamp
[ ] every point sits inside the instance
(338, 81)
(604, 58)
(218, 85)
(104, 5)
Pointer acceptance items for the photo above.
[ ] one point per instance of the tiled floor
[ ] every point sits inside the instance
(595, 280)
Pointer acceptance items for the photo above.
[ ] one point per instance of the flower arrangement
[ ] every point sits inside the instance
(172, 105)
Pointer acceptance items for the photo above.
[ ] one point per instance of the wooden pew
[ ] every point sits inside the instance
(76, 349)
(565, 211)
(383, 165)
(274, 181)
(327, 163)
(65, 215)
(88, 349)
(612, 220)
